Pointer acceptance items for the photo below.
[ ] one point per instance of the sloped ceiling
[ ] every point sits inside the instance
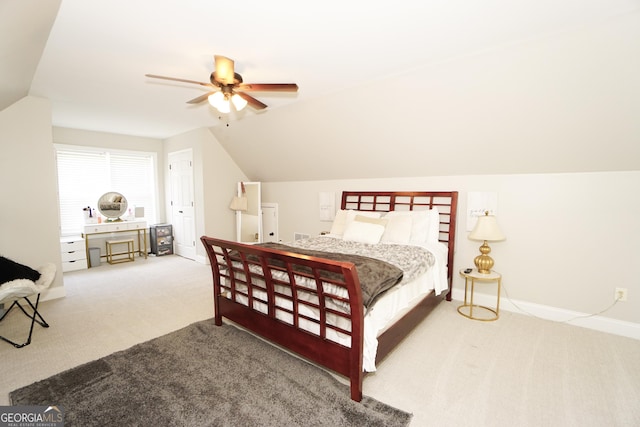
(24, 30)
(368, 75)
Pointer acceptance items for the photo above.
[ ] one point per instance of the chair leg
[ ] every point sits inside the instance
(41, 322)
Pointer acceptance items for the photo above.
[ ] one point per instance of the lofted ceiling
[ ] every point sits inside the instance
(90, 57)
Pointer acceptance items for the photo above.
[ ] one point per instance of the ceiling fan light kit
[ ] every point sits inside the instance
(220, 101)
(238, 102)
(227, 88)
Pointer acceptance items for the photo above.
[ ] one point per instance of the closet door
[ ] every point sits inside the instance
(182, 203)
(270, 222)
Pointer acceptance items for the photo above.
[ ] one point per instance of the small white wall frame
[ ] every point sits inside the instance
(327, 206)
(479, 202)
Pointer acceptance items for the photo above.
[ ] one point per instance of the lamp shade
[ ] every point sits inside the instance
(238, 102)
(487, 229)
(215, 99)
(220, 102)
(239, 203)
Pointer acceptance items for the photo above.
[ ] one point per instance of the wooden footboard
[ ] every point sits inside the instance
(303, 303)
(274, 293)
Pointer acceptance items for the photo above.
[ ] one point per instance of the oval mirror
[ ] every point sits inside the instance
(112, 205)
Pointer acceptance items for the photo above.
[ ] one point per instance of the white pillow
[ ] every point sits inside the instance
(339, 223)
(363, 232)
(373, 220)
(397, 230)
(345, 216)
(425, 224)
(352, 214)
(419, 224)
(434, 226)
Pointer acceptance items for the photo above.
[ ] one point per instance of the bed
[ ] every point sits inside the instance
(313, 303)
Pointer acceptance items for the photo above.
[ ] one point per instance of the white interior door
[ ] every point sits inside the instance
(182, 203)
(270, 222)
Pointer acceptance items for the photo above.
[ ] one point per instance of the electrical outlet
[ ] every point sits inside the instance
(621, 294)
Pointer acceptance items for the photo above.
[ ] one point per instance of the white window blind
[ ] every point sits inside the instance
(84, 174)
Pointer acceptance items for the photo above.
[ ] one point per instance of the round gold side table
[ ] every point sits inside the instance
(468, 307)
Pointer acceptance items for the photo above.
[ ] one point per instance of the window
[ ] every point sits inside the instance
(85, 173)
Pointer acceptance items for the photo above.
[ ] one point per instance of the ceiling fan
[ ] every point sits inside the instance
(227, 87)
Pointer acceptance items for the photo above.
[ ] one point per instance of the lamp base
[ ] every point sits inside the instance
(484, 263)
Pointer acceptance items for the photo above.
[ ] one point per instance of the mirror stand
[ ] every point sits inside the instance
(249, 221)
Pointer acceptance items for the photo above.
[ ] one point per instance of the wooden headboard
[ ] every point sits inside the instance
(385, 201)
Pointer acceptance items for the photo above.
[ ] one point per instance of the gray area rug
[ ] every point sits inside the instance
(205, 375)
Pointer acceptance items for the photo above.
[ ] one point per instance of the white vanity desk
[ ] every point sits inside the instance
(138, 226)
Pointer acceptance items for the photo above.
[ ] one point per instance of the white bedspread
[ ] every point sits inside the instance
(419, 279)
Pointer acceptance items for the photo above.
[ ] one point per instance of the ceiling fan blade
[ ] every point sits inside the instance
(200, 98)
(269, 87)
(179, 80)
(258, 105)
(224, 70)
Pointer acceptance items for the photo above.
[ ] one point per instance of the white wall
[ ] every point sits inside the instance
(571, 238)
(29, 214)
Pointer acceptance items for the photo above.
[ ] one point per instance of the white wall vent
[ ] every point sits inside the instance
(300, 236)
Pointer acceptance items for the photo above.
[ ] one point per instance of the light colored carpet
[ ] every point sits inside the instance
(451, 371)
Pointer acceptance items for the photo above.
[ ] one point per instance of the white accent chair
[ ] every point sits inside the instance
(21, 289)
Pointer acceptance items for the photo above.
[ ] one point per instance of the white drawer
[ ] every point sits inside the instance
(115, 226)
(74, 265)
(71, 246)
(104, 228)
(74, 255)
(95, 228)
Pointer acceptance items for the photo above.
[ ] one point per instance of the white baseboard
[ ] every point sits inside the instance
(598, 323)
(53, 293)
(202, 259)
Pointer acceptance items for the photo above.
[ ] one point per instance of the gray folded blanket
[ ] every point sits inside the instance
(376, 276)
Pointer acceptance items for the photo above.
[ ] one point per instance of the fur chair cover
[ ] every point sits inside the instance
(20, 288)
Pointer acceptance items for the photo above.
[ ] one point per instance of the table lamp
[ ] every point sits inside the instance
(486, 230)
(240, 202)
